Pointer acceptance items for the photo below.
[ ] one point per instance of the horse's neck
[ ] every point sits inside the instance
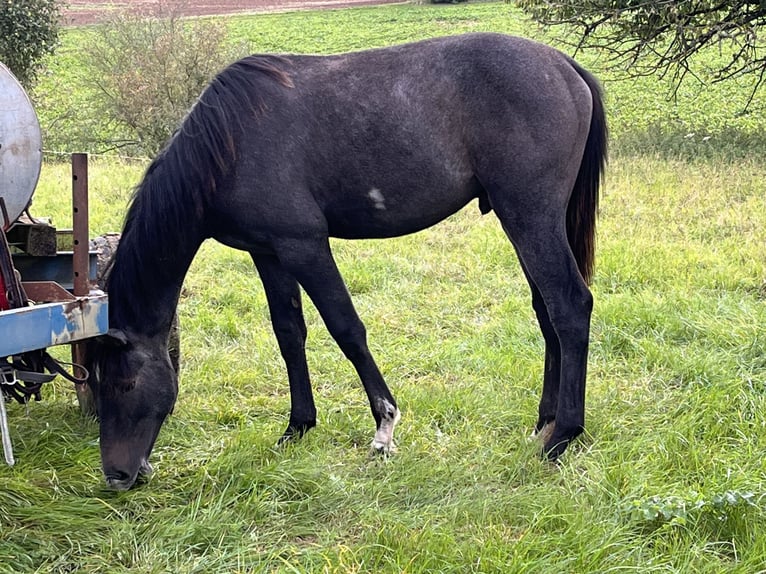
(145, 285)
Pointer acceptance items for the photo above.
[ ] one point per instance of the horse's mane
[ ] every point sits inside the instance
(166, 210)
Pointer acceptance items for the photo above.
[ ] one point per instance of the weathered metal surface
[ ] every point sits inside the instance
(85, 397)
(58, 268)
(80, 264)
(46, 292)
(21, 153)
(38, 239)
(5, 432)
(42, 326)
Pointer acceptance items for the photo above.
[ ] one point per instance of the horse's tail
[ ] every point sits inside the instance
(583, 204)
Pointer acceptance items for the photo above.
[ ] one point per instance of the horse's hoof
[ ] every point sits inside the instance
(379, 449)
(544, 433)
(557, 442)
(552, 452)
(295, 431)
(383, 443)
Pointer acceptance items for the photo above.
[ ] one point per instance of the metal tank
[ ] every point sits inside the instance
(21, 154)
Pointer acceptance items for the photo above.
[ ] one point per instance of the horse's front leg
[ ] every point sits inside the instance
(284, 298)
(312, 264)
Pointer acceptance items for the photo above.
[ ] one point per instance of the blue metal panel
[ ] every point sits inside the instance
(51, 324)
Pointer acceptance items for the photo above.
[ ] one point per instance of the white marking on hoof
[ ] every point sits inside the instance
(377, 198)
(384, 436)
(544, 433)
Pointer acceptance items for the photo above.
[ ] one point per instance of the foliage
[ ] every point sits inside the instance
(28, 31)
(146, 69)
(657, 510)
(665, 35)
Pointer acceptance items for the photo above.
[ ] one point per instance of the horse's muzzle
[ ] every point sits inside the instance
(119, 480)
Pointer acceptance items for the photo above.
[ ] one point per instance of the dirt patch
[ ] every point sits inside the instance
(80, 12)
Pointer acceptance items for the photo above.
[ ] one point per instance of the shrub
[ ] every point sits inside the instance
(28, 31)
(147, 69)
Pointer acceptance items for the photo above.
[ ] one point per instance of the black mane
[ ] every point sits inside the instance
(166, 208)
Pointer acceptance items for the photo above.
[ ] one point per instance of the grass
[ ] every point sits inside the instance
(669, 478)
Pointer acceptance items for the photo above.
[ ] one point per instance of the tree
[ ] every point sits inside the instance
(663, 36)
(28, 31)
(146, 68)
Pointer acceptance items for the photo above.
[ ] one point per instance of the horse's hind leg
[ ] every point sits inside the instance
(311, 263)
(563, 304)
(284, 298)
(552, 371)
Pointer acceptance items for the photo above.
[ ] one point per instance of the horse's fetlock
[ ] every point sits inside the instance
(386, 410)
(388, 415)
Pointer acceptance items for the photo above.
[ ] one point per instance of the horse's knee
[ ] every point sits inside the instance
(352, 340)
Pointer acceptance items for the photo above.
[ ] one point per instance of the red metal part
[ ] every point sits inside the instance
(13, 293)
(3, 299)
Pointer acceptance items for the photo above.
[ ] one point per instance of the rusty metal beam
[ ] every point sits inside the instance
(80, 261)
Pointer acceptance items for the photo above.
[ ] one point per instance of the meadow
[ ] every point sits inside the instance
(669, 477)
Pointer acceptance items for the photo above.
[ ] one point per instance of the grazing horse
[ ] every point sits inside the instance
(282, 152)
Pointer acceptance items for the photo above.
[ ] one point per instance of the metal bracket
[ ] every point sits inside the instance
(7, 377)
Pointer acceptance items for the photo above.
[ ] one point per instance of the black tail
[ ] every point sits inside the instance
(583, 205)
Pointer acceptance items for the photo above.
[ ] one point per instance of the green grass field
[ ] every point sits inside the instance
(670, 476)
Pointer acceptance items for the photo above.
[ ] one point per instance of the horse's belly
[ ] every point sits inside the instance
(379, 213)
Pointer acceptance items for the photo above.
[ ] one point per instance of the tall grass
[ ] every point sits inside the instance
(669, 477)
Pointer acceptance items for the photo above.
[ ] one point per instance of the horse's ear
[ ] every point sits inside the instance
(114, 338)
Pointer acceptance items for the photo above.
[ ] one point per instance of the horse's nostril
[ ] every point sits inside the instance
(117, 476)
(119, 480)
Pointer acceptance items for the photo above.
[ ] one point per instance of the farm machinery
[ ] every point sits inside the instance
(46, 274)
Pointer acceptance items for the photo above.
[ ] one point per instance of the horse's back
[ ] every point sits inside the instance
(388, 141)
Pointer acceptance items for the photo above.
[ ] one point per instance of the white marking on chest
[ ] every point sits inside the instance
(377, 198)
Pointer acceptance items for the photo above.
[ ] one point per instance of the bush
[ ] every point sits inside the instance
(146, 70)
(28, 31)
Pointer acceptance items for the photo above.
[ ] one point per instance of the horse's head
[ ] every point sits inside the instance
(135, 387)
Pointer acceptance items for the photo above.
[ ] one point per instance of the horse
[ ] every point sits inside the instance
(282, 152)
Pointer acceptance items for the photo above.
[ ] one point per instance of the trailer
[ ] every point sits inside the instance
(48, 290)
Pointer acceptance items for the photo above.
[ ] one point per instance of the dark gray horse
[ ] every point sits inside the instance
(283, 152)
